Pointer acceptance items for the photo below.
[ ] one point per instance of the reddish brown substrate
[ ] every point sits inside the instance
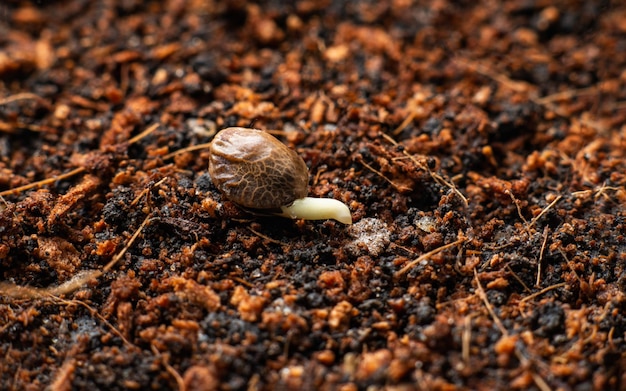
(480, 147)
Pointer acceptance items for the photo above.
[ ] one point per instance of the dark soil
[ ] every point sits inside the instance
(481, 147)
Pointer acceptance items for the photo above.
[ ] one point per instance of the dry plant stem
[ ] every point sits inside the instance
(42, 183)
(547, 101)
(539, 381)
(124, 78)
(404, 123)
(145, 191)
(180, 383)
(483, 297)
(569, 94)
(466, 339)
(518, 86)
(436, 177)
(257, 233)
(571, 267)
(75, 283)
(403, 248)
(517, 205)
(62, 379)
(83, 277)
(96, 314)
(521, 282)
(543, 248)
(597, 192)
(442, 181)
(243, 282)
(187, 149)
(89, 104)
(319, 172)
(143, 134)
(75, 171)
(609, 337)
(422, 257)
(119, 255)
(544, 290)
(25, 292)
(534, 220)
(380, 174)
(23, 96)
(11, 128)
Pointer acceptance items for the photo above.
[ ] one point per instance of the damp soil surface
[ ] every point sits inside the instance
(481, 147)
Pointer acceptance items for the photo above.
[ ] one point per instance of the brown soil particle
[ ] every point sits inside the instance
(480, 147)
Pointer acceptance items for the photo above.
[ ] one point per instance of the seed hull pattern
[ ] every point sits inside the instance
(255, 170)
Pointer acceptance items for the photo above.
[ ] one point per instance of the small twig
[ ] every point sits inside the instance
(88, 104)
(23, 96)
(143, 134)
(527, 362)
(539, 381)
(170, 369)
(257, 233)
(543, 248)
(483, 297)
(572, 93)
(404, 123)
(404, 152)
(569, 264)
(75, 171)
(63, 376)
(436, 177)
(404, 248)
(124, 78)
(319, 172)
(146, 190)
(517, 205)
(186, 149)
(427, 255)
(27, 292)
(609, 337)
(442, 181)
(534, 220)
(397, 187)
(95, 313)
(515, 85)
(526, 288)
(11, 128)
(601, 192)
(541, 292)
(541, 384)
(43, 182)
(119, 255)
(466, 339)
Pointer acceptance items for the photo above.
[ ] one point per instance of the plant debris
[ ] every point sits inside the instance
(480, 147)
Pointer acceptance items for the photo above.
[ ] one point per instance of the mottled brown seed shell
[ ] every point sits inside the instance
(255, 170)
